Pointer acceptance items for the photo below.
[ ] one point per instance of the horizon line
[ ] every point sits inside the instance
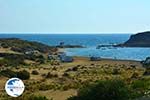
(67, 33)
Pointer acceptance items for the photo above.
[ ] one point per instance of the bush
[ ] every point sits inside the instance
(115, 71)
(29, 97)
(12, 59)
(147, 71)
(8, 73)
(66, 74)
(24, 75)
(141, 86)
(44, 87)
(50, 75)
(35, 72)
(103, 90)
(135, 75)
(40, 59)
(33, 97)
(4, 45)
(75, 68)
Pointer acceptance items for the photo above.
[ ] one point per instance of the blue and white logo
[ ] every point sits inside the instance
(14, 87)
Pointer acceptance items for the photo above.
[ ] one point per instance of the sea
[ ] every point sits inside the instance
(90, 42)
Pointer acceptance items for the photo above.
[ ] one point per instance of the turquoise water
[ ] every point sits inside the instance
(90, 42)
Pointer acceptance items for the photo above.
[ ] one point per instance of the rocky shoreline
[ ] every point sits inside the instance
(137, 40)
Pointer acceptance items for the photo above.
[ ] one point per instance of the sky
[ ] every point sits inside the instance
(74, 16)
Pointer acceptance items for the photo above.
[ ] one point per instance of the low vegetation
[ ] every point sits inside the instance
(113, 90)
(103, 90)
(8, 73)
(35, 72)
(24, 75)
(19, 45)
(30, 96)
(11, 59)
(22, 52)
(15, 60)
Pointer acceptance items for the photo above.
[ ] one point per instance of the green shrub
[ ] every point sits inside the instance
(8, 73)
(35, 72)
(12, 59)
(50, 75)
(103, 90)
(24, 75)
(40, 59)
(72, 85)
(33, 97)
(141, 86)
(4, 45)
(29, 97)
(135, 75)
(147, 71)
(115, 71)
(66, 74)
(44, 87)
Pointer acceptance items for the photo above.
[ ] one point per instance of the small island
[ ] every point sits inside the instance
(63, 45)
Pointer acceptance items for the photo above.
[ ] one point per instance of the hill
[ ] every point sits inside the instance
(22, 46)
(15, 52)
(138, 40)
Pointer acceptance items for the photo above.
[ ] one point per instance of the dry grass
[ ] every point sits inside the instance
(70, 76)
(8, 50)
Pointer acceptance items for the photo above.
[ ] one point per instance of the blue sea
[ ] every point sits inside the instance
(90, 41)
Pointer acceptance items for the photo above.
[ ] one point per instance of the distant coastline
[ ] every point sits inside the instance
(90, 42)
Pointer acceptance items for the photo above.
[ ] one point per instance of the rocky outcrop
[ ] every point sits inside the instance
(138, 40)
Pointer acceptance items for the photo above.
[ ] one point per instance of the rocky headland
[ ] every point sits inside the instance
(138, 40)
